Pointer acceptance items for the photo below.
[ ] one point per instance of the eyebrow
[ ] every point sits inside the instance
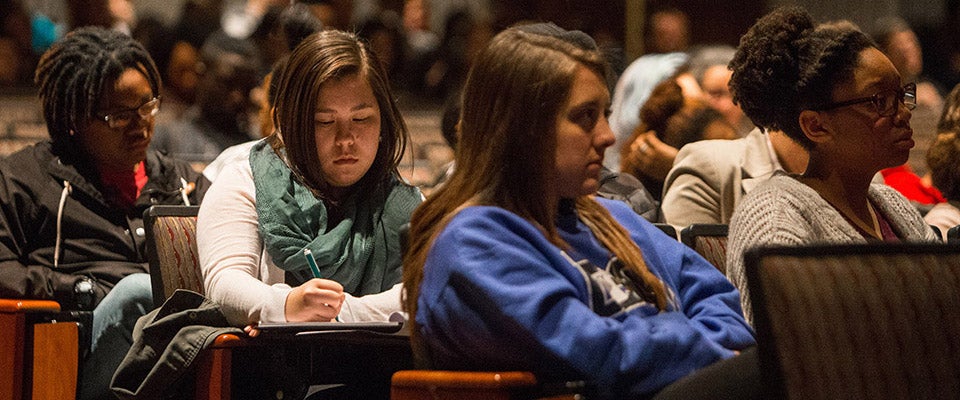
(593, 103)
(119, 107)
(357, 107)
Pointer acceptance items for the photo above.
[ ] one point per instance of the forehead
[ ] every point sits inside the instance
(717, 75)
(348, 89)
(874, 72)
(587, 85)
(127, 90)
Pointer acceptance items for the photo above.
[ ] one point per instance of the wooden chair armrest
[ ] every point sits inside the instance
(460, 385)
(227, 340)
(464, 378)
(37, 355)
(24, 305)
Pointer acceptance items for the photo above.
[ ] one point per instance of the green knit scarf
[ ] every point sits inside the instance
(362, 252)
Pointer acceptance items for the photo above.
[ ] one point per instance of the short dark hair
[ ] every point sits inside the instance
(785, 64)
(74, 73)
(321, 57)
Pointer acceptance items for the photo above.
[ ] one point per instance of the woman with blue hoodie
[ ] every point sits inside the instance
(520, 267)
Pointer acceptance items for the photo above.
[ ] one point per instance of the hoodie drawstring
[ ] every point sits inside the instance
(183, 191)
(67, 190)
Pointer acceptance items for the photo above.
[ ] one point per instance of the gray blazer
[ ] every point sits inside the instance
(709, 178)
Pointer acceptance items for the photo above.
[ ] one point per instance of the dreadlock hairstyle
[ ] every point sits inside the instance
(75, 72)
(785, 64)
(508, 131)
(321, 57)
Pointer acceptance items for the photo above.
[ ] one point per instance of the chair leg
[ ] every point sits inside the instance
(213, 374)
(56, 355)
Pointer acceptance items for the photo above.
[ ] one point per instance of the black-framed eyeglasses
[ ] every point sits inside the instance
(122, 119)
(886, 101)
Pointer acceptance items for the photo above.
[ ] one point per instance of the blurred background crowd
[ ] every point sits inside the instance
(214, 56)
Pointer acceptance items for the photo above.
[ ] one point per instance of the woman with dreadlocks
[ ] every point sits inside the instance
(70, 208)
(520, 267)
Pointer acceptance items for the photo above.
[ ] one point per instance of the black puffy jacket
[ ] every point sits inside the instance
(95, 239)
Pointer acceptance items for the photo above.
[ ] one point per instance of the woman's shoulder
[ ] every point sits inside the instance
(780, 196)
(486, 217)
(888, 198)
(619, 210)
(490, 232)
(781, 187)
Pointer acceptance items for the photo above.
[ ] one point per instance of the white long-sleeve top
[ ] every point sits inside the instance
(238, 273)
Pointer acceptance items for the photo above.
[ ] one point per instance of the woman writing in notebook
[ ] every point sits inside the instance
(326, 181)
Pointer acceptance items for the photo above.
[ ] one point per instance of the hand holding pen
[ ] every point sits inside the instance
(315, 300)
(316, 274)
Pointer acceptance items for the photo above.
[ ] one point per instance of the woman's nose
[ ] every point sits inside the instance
(605, 137)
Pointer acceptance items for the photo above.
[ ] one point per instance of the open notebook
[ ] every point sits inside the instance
(301, 327)
(393, 325)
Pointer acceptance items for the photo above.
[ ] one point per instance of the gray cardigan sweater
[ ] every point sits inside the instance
(783, 211)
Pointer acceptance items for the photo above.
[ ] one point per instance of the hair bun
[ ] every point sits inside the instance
(766, 66)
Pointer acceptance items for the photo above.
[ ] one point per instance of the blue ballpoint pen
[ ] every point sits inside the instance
(314, 268)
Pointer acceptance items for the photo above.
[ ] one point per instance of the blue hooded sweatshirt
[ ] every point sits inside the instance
(497, 295)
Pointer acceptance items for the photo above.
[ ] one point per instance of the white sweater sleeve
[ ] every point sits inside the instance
(248, 288)
(372, 307)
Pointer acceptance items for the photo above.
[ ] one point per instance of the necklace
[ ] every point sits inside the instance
(871, 231)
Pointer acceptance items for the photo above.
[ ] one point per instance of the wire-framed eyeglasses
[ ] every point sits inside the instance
(122, 119)
(886, 101)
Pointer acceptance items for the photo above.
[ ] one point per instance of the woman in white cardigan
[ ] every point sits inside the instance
(831, 90)
(326, 181)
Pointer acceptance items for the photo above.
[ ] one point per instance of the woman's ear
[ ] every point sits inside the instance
(813, 125)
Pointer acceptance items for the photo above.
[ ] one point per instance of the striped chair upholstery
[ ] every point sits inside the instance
(710, 241)
(172, 250)
(857, 322)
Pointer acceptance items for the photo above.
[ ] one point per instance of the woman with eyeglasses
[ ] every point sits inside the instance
(832, 91)
(71, 207)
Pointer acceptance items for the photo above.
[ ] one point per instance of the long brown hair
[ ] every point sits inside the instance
(506, 153)
(321, 57)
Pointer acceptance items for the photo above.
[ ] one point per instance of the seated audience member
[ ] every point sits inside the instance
(295, 24)
(675, 120)
(710, 177)
(515, 265)
(628, 189)
(632, 90)
(943, 158)
(224, 106)
(384, 32)
(326, 180)
(708, 64)
(831, 90)
(897, 40)
(667, 30)
(17, 58)
(71, 228)
(240, 152)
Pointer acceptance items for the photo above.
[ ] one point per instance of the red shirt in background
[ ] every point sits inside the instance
(911, 186)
